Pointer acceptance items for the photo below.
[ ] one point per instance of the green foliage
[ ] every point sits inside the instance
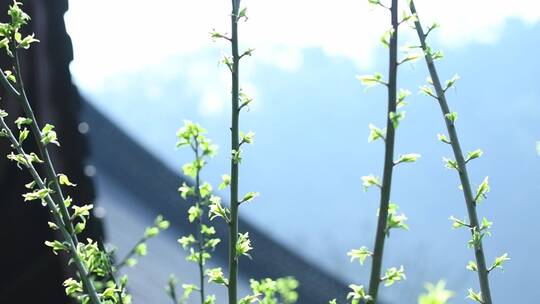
(435, 294)
(215, 275)
(199, 246)
(396, 118)
(376, 133)
(474, 155)
(499, 262)
(268, 291)
(452, 82)
(395, 220)
(370, 181)
(475, 296)
(393, 275)
(482, 190)
(358, 294)
(243, 245)
(371, 80)
(407, 158)
(361, 254)
(452, 117)
(217, 209)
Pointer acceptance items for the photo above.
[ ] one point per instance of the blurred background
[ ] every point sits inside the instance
(142, 68)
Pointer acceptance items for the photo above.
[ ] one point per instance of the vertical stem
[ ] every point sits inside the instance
(235, 146)
(200, 224)
(458, 154)
(49, 168)
(380, 236)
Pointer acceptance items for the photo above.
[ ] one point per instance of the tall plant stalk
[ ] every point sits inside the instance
(35, 129)
(235, 148)
(388, 218)
(200, 235)
(380, 236)
(199, 246)
(478, 230)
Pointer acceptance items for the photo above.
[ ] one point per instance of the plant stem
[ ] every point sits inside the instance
(131, 253)
(36, 132)
(380, 236)
(200, 223)
(235, 146)
(83, 272)
(458, 154)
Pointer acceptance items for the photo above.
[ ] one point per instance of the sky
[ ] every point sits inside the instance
(153, 66)
(129, 41)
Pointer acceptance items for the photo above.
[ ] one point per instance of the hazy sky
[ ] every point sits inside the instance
(131, 35)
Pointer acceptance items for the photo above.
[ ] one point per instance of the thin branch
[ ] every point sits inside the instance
(235, 146)
(456, 147)
(36, 132)
(380, 236)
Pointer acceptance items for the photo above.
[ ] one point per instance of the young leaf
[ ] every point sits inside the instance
(385, 38)
(452, 117)
(22, 121)
(64, 180)
(472, 266)
(187, 241)
(243, 245)
(186, 191)
(451, 83)
(205, 190)
(242, 14)
(475, 296)
(428, 91)
(194, 213)
(450, 164)
(57, 246)
(485, 224)
(371, 80)
(393, 275)
(217, 210)
(457, 223)
(436, 294)
(247, 138)
(395, 220)
(473, 155)
(215, 275)
(48, 135)
(396, 118)
(357, 294)
(482, 190)
(361, 254)
(499, 261)
(410, 57)
(443, 138)
(375, 133)
(249, 197)
(226, 181)
(369, 181)
(402, 94)
(37, 194)
(407, 158)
